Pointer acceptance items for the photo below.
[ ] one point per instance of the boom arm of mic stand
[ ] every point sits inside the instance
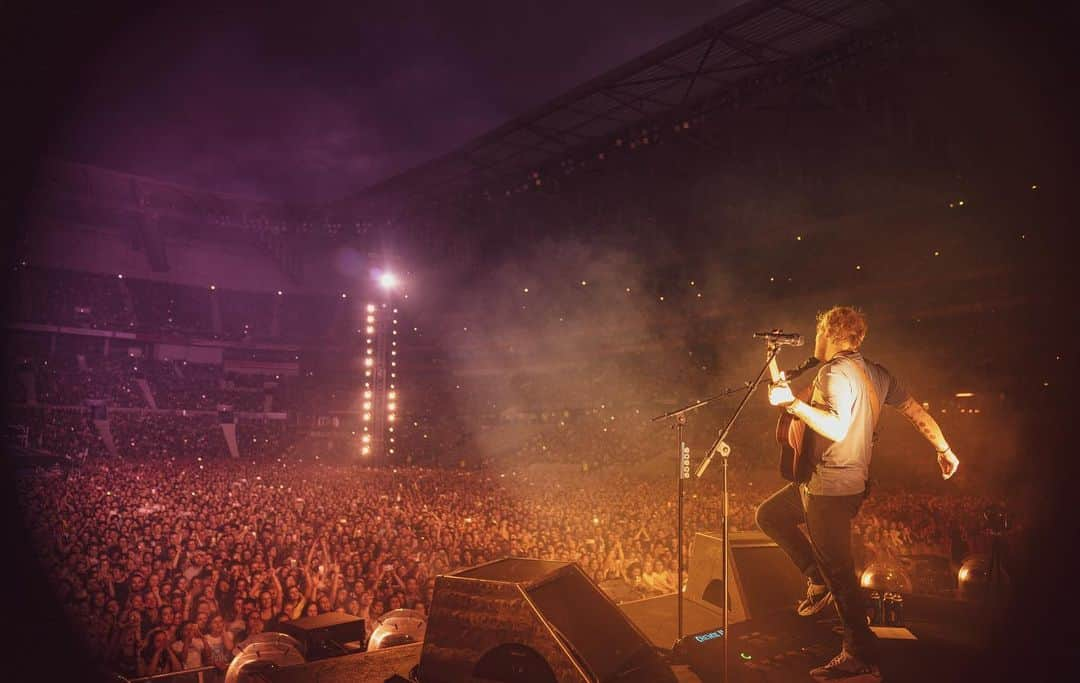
(719, 443)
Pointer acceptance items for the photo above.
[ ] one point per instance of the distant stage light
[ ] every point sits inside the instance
(388, 281)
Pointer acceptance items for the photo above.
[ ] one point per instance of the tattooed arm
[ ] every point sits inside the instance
(931, 431)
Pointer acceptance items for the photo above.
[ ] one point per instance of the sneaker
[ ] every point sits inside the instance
(846, 665)
(817, 598)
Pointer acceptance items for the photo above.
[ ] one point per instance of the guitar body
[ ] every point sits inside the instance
(796, 446)
(790, 434)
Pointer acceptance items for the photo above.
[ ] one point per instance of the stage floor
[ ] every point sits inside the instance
(949, 645)
(948, 642)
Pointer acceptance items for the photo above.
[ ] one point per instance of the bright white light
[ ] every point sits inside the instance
(369, 362)
(371, 308)
(388, 281)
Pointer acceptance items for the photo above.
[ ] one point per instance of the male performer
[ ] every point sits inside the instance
(848, 393)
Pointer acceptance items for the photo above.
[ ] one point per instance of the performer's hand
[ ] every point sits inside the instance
(949, 463)
(780, 394)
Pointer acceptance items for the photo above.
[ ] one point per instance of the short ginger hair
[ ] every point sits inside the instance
(843, 325)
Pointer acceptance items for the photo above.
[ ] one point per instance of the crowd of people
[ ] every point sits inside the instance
(70, 379)
(170, 563)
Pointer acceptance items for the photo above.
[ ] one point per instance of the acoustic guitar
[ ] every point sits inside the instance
(795, 462)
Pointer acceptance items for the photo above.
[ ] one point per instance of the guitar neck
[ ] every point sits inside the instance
(774, 369)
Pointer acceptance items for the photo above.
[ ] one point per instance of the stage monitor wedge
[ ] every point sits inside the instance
(532, 621)
(764, 579)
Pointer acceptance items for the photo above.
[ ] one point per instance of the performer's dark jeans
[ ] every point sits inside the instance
(826, 555)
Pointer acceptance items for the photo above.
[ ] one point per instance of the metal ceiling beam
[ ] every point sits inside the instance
(627, 109)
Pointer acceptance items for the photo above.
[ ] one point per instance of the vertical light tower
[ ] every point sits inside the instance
(385, 414)
(367, 403)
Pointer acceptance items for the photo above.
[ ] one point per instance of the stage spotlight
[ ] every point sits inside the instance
(388, 281)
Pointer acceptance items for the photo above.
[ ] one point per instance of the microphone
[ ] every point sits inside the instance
(780, 338)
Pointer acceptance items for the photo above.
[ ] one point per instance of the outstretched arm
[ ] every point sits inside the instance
(931, 431)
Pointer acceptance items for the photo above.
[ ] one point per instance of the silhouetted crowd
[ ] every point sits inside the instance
(168, 564)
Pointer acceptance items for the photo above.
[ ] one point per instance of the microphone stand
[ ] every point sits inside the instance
(683, 458)
(725, 450)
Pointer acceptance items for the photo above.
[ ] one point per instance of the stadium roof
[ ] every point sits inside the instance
(753, 39)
